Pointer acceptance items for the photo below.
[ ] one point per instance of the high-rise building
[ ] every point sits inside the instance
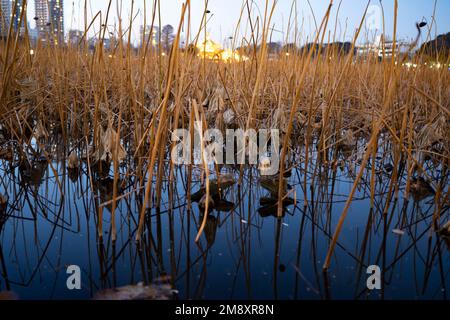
(56, 9)
(75, 36)
(17, 15)
(42, 18)
(5, 17)
(50, 20)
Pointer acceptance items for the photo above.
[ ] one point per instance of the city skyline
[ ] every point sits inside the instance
(49, 18)
(5, 13)
(223, 17)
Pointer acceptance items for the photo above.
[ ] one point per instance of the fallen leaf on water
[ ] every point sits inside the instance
(8, 295)
(108, 145)
(137, 292)
(73, 161)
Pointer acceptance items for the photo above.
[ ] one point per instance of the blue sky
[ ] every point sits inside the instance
(225, 14)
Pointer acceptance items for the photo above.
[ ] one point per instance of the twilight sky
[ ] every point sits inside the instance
(225, 15)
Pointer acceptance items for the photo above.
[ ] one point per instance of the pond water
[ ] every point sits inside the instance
(245, 252)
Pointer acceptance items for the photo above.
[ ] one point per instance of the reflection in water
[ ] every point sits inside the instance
(210, 229)
(51, 218)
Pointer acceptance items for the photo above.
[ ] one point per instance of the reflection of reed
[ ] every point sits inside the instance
(210, 229)
(236, 220)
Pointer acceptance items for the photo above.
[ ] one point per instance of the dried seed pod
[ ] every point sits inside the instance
(73, 161)
(202, 203)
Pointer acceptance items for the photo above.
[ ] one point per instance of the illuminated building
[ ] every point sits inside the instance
(50, 20)
(382, 48)
(16, 18)
(209, 49)
(5, 17)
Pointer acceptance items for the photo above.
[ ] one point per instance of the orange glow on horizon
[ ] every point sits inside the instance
(209, 49)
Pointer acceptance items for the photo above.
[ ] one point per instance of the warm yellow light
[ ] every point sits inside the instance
(31, 52)
(208, 49)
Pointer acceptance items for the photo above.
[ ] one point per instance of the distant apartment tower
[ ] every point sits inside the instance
(17, 15)
(75, 37)
(8, 14)
(383, 48)
(50, 20)
(147, 33)
(5, 17)
(41, 18)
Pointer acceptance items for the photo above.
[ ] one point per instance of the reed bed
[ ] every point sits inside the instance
(114, 110)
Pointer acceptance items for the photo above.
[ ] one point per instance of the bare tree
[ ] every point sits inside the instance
(167, 37)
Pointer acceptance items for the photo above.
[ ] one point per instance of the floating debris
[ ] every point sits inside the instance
(202, 203)
(388, 167)
(107, 148)
(271, 211)
(269, 201)
(210, 229)
(421, 189)
(269, 205)
(398, 231)
(73, 174)
(279, 120)
(138, 292)
(229, 118)
(223, 205)
(104, 187)
(445, 230)
(271, 183)
(33, 172)
(266, 170)
(8, 295)
(88, 153)
(264, 165)
(215, 187)
(39, 131)
(73, 162)
(432, 133)
(6, 153)
(348, 139)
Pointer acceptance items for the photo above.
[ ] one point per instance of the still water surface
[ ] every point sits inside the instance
(244, 253)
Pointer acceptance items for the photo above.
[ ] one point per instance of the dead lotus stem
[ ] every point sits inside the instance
(367, 155)
(292, 114)
(116, 177)
(170, 75)
(205, 164)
